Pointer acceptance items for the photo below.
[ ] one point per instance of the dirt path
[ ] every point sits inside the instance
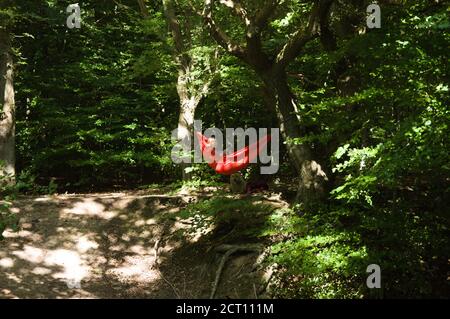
(115, 245)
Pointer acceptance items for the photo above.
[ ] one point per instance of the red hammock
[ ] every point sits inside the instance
(234, 162)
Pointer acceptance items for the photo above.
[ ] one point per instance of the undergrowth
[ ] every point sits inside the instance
(325, 253)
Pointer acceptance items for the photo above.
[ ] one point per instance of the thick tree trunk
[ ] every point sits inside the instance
(273, 73)
(312, 177)
(7, 110)
(189, 96)
(185, 128)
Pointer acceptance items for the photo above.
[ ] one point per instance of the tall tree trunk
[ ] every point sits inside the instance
(188, 104)
(7, 110)
(272, 71)
(188, 100)
(312, 177)
(190, 95)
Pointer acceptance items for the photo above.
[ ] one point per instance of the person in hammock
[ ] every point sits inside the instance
(228, 164)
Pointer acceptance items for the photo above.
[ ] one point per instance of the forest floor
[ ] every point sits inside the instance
(121, 245)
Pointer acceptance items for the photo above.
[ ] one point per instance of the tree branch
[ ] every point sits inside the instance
(143, 8)
(238, 9)
(300, 38)
(263, 15)
(177, 35)
(254, 53)
(221, 37)
(327, 37)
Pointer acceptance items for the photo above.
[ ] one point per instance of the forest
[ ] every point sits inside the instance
(100, 195)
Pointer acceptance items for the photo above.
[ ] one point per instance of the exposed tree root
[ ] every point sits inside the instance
(268, 277)
(260, 259)
(156, 253)
(175, 290)
(230, 250)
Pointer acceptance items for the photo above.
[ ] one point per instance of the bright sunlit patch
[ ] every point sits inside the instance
(84, 244)
(7, 292)
(146, 234)
(12, 234)
(6, 263)
(139, 223)
(122, 204)
(43, 199)
(140, 250)
(35, 237)
(118, 247)
(73, 267)
(31, 254)
(151, 221)
(41, 271)
(13, 277)
(90, 208)
(137, 269)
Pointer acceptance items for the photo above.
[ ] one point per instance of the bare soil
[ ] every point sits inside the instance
(116, 245)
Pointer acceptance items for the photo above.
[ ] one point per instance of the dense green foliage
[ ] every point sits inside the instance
(384, 126)
(85, 116)
(96, 107)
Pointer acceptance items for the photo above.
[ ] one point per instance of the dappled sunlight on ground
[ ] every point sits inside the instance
(82, 246)
(91, 208)
(120, 245)
(136, 269)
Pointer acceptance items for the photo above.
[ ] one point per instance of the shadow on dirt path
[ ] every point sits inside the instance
(115, 245)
